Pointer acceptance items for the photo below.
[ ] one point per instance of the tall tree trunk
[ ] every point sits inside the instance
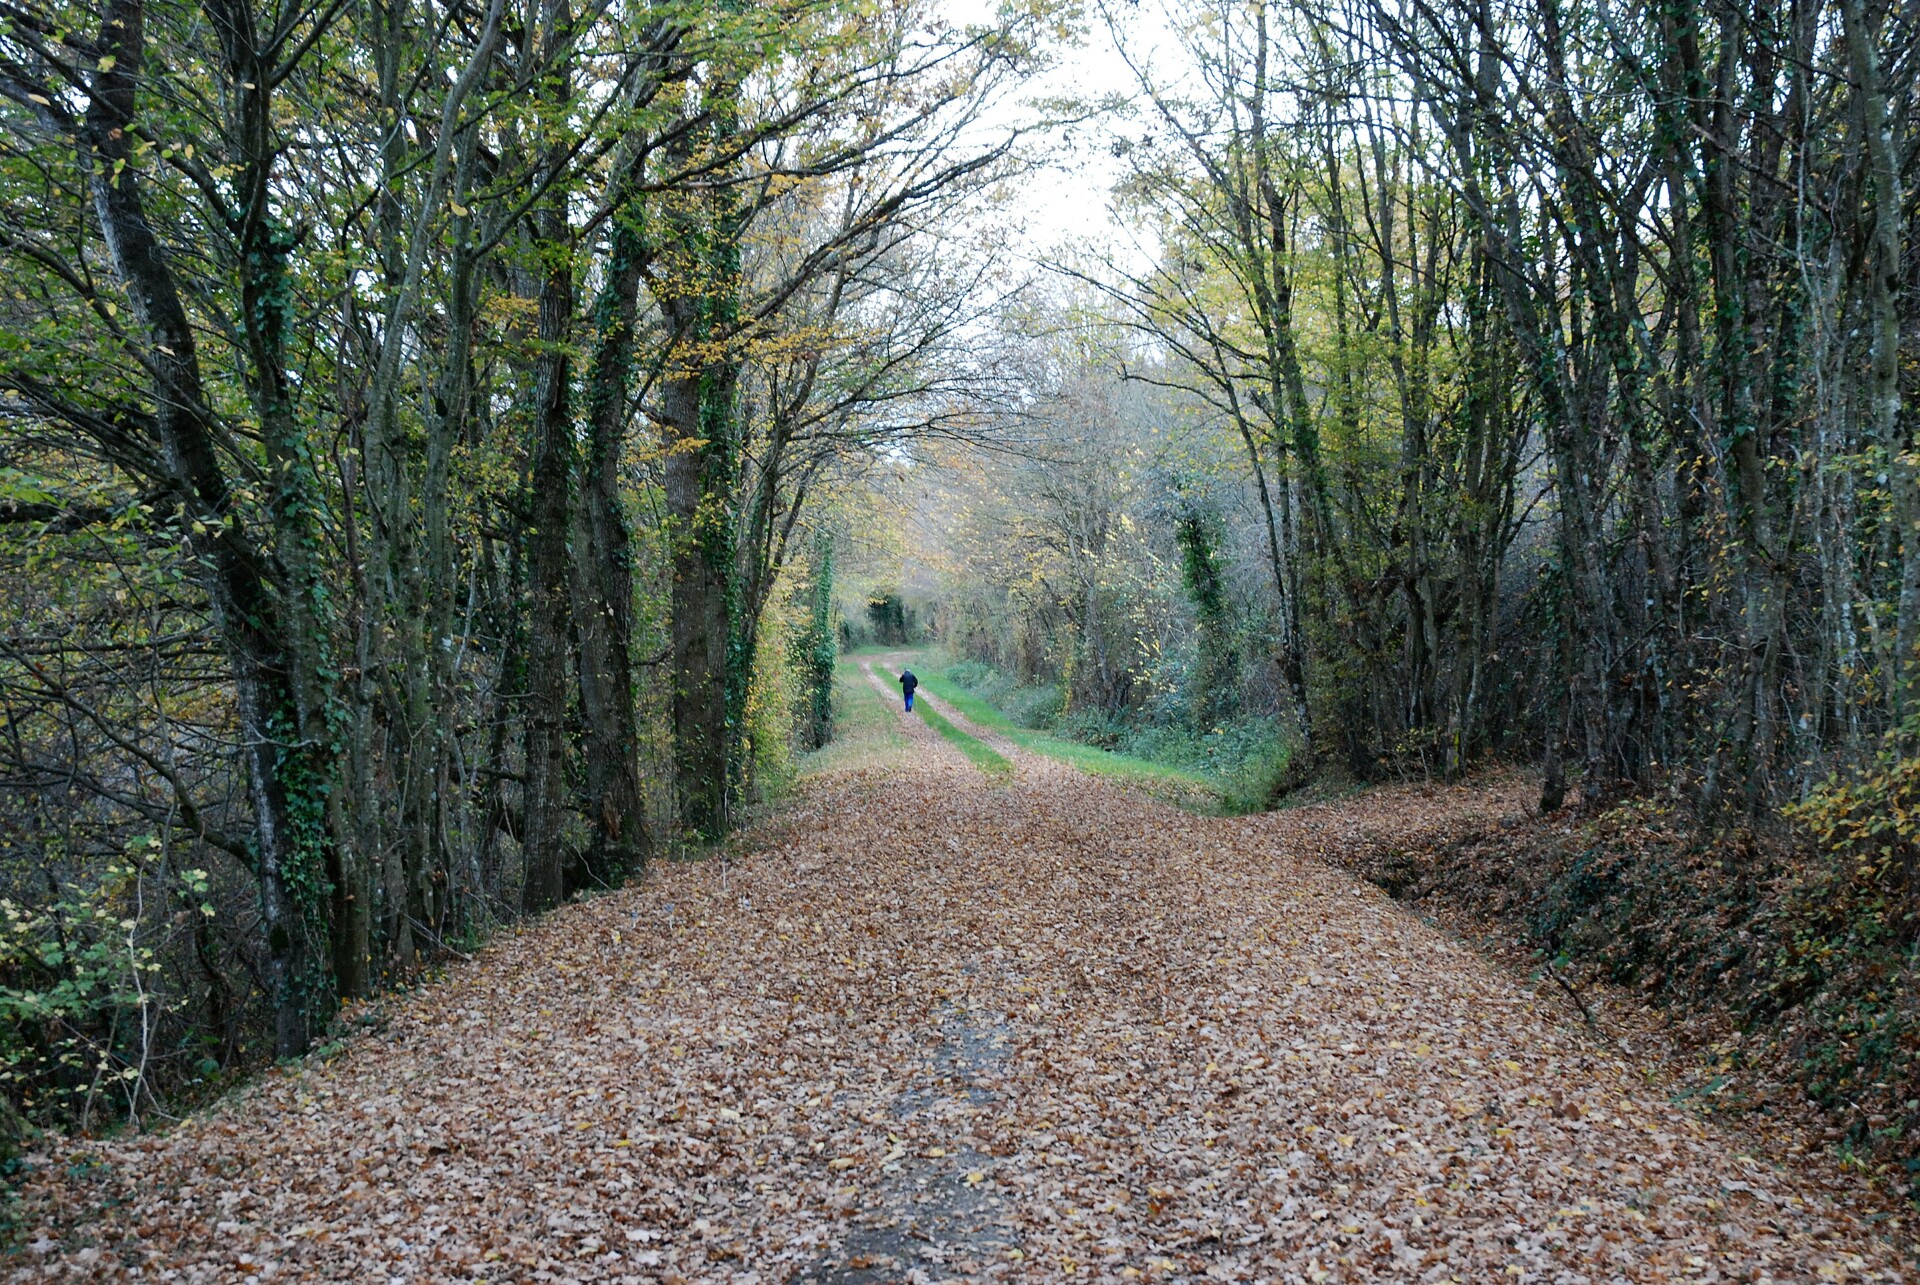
(603, 580)
(819, 645)
(700, 468)
(1883, 386)
(286, 776)
(549, 614)
(405, 483)
(549, 506)
(266, 291)
(700, 296)
(446, 895)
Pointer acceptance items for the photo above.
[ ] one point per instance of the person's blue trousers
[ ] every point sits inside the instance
(909, 702)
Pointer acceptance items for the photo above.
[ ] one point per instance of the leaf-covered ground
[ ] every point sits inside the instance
(936, 1025)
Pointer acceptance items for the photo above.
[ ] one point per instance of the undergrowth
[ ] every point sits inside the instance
(1031, 706)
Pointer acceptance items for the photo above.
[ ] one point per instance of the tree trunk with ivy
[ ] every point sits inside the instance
(696, 406)
(281, 709)
(822, 642)
(1217, 667)
(696, 281)
(549, 508)
(603, 579)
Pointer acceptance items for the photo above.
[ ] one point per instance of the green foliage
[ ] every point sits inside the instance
(1184, 785)
(1249, 756)
(775, 690)
(1265, 776)
(1842, 936)
(79, 1001)
(1200, 571)
(1250, 760)
(1213, 685)
(815, 651)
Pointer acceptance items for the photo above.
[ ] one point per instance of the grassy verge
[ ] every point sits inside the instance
(1186, 785)
(864, 728)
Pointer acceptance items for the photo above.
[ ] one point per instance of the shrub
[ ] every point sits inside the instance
(1264, 777)
(1871, 822)
(78, 1007)
(1032, 706)
(971, 674)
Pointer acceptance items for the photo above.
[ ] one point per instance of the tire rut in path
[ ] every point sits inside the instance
(932, 1214)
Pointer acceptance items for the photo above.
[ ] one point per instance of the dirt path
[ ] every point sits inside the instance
(1027, 764)
(916, 729)
(939, 1028)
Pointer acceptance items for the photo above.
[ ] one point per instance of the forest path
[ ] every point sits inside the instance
(917, 731)
(886, 680)
(938, 1026)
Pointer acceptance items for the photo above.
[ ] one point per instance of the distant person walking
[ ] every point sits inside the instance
(907, 683)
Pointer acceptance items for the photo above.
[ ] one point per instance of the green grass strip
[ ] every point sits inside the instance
(978, 752)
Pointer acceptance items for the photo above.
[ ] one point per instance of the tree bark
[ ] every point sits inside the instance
(286, 782)
(695, 406)
(699, 294)
(1883, 387)
(549, 508)
(603, 581)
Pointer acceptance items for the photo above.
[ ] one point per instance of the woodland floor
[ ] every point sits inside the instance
(932, 1023)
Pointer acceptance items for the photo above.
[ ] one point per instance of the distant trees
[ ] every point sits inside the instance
(1056, 577)
(407, 416)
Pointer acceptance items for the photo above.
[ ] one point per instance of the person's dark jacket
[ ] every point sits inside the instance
(908, 682)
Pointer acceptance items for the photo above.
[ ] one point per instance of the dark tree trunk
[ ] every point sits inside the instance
(286, 773)
(700, 296)
(549, 580)
(603, 583)
(697, 408)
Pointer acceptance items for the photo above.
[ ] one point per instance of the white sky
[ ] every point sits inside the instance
(1070, 200)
